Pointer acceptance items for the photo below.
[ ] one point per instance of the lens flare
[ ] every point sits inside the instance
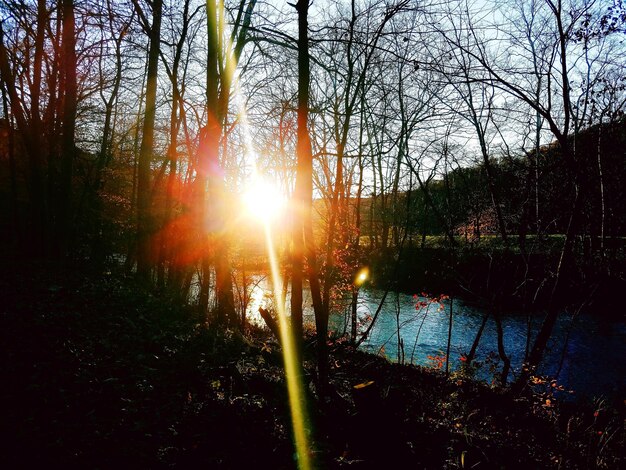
(361, 276)
(265, 203)
(294, 384)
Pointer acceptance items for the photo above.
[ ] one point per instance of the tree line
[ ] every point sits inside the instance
(462, 193)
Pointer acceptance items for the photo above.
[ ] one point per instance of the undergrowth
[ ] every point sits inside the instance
(102, 374)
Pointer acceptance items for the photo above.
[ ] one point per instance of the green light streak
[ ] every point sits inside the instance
(294, 383)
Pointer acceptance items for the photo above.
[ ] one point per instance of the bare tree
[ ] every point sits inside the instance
(144, 217)
(303, 241)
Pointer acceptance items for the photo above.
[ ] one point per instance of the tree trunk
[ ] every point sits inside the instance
(479, 333)
(132, 241)
(501, 352)
(166, 249)
(602, 200)
(353, 315)
(303, 195)
(144, 218)
(449, 338)
(69, 124)
(17, 230)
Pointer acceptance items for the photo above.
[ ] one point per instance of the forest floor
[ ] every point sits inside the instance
(98, 373)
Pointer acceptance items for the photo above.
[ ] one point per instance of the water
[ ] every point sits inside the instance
(586, 354)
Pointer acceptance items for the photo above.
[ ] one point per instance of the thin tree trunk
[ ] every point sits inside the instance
(132, 241)
(479, 333)
(449, 339)
(501, 351)
(17, 230)
(304, 199)
(69, 124)
(602, 200)
(144, 218)
(353, 315)
(565, 263)
(536, 165)
(165, 246)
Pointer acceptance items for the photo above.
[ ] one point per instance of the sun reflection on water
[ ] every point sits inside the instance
(258, 297)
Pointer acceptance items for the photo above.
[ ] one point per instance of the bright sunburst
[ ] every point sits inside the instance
(263, 200)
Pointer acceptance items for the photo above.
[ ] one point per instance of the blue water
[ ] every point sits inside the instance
(586, 354)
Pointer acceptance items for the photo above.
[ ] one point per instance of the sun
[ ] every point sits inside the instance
(263, 200)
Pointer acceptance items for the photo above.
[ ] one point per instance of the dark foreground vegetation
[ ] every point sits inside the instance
(102, 374)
